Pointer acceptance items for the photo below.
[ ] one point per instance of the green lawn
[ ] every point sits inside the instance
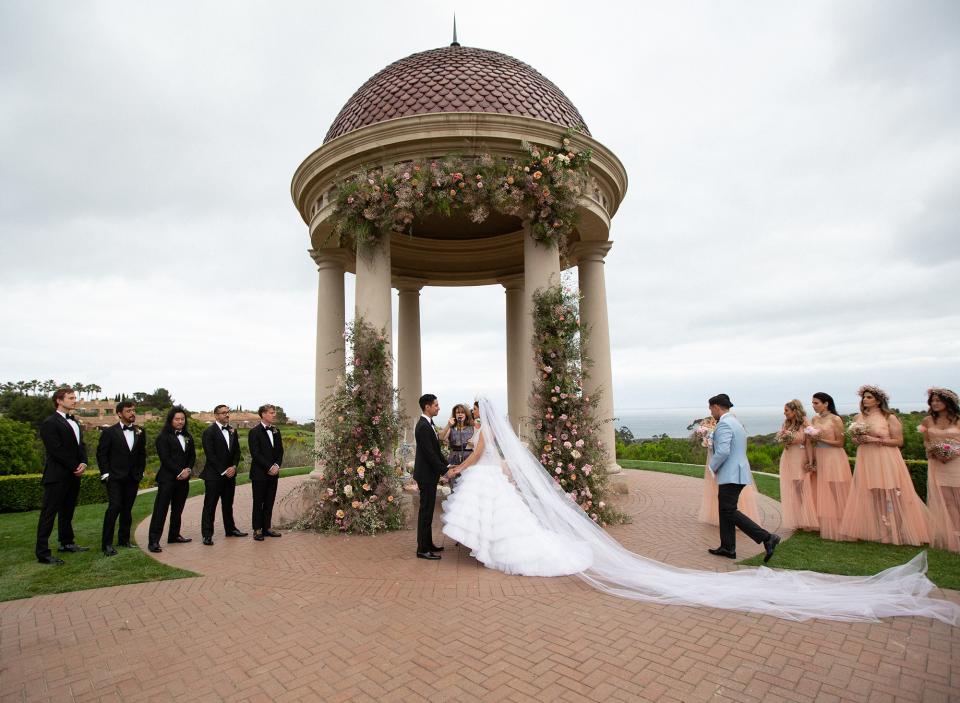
(805, 550)
(21, 576)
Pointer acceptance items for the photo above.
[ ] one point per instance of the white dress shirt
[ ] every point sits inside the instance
(73, 425)
(183, 441)
(129, 436)
(269, 433)
(226, 436)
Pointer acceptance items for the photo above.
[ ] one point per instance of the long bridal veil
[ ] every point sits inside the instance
(793, 595)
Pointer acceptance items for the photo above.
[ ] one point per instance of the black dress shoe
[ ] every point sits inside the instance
(208, 541)
(258, 535)
(236, 533)
(72, 548)
(109, 551)
(272, 533)
(436, 549)
(179, 539)
(155, 548)
(721, 552)
(769, 546)
(427, 555)
(51, 560)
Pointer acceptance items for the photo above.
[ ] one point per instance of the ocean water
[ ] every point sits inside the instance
(756, 419)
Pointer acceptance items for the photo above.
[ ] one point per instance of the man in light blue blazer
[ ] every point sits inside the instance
(729, 464)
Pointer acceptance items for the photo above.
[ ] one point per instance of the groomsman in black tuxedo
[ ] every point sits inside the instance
(122, 458)
(178, 454)
(429, 465)
(221, 444)
(266, 455)
(65, 460)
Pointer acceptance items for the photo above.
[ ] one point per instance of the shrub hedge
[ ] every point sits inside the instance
(25, 491)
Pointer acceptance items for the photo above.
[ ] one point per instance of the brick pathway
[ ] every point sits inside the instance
(310, 617)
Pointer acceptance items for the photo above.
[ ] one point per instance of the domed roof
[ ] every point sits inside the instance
(455, 79)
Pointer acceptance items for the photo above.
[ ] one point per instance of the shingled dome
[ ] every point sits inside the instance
(455, 79)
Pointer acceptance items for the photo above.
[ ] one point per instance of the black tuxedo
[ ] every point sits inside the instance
(62, 455)
(123, 468)
(263, 455)
(217, 487)
(429, 465)
(171, 492)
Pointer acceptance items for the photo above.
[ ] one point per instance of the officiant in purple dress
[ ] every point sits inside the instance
(459, 435)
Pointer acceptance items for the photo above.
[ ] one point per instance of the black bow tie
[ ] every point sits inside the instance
(128, 428)
(70, 417)
(177, 432)
(227, 428)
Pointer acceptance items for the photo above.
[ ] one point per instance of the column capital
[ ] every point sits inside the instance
(408, 284)
(329, 258)
(589, 251)
(512, 282)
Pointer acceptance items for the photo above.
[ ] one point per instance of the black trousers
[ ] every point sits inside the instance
(428, 501)
(121, 495)
(731, 518)
(264, 495)
(59, 502)
(221, 490)
(171, 495)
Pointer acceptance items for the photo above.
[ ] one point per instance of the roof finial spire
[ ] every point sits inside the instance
(454, 42)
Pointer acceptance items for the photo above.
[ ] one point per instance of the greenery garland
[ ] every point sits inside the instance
(544, 187)
(566, 432)
(358, 429)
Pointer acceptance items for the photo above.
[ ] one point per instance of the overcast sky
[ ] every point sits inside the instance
(792, 222)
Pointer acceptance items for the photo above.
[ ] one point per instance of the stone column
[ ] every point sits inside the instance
(409, 360)
(593, 316)
(541, 269)
(330, 357)
(518, 387)
(373, 289)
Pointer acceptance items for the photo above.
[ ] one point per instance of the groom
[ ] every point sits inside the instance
(729, 464)
(429, 465)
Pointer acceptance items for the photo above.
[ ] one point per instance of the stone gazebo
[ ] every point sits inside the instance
(456, 100)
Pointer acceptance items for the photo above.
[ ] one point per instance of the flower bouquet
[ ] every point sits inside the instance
(857, 431)
(786, 437)
(945, 451)
(704, 433)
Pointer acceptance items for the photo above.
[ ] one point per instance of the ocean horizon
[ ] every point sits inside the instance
(645, 423)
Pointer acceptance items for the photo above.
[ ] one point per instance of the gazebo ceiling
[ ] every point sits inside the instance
(456, 79)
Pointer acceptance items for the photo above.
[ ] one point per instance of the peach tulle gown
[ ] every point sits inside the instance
(833, 483)
(710, 507)
(943, 493)
(883, 505)
(797, 489)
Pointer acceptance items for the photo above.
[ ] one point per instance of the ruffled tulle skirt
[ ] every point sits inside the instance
(883, 505)
(797, 490)
(833, 489)
(943, 502)
(486, 513)
(710, 507)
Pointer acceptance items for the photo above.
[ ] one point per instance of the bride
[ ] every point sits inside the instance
(516, 519)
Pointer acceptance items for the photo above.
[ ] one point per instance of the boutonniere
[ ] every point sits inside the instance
(137, 431)
(275, 430)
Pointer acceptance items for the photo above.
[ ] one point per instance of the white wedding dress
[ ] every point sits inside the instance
(526, 524)
(487, 514)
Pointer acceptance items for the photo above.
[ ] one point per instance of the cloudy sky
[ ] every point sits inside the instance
(792, 222)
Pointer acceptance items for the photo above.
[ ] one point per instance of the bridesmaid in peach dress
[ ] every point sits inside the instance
(883, 505)
(832, 467)
(709, 506)
(942, 425)
(797, 496)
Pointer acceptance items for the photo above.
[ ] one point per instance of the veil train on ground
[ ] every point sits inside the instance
(793, 595)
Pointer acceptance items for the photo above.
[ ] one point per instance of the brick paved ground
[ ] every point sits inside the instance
(310, 617)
